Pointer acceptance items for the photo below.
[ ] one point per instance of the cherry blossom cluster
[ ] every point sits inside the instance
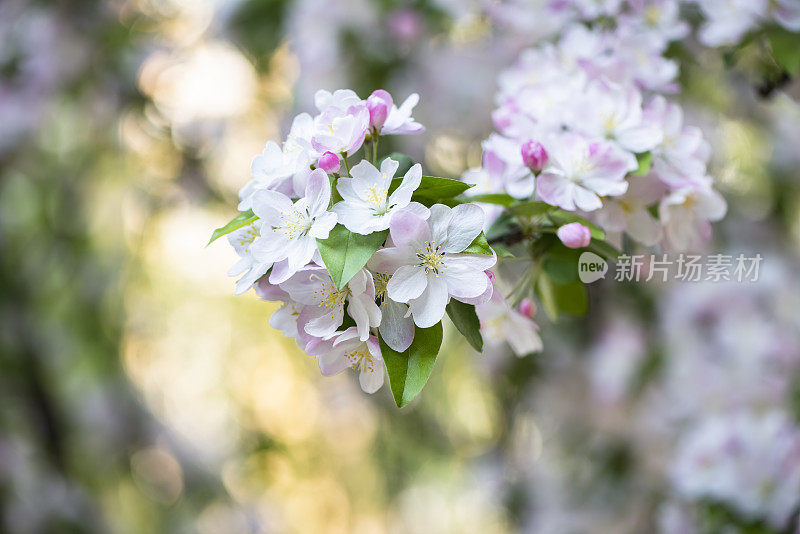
(359, 264)
(586, 134)
(725, 22)
(582, 126)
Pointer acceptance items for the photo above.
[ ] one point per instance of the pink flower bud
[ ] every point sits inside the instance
(534, 155)
(527, 308)
(574, 235)
(379, 104)
(329, 162)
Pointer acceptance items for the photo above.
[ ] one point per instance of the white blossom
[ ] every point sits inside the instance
(368, 206)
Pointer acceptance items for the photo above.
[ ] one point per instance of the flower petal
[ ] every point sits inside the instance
(396, 329)
(318, 192)
(466, 278)
(364, 175)
(402, 195)
(332, 363)
(408, 229)
(388, 168)
(428, 309)
(408, 282)
(388, 260)
(372, 380)
(465, 224)
(439, 222)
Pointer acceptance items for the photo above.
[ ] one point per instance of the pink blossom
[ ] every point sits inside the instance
(329, 162)
(574, 235)
(534, 155)
(379, 104)
(527, 308)
(582, 171)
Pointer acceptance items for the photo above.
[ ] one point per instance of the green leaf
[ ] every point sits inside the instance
(466, 321)
(556, 298)
(437, 187)
(785, 47)
(243, 219)
(530, 208)
(405, 162)
(409, 370)
(561, 218)
(645, 160)
(561, 264)
(451, 202)
(501, 199)
(433, 189)
(571, 298)
(479, 245)
(502, 251)
(546, 293)
(344, 253)
(604, 248)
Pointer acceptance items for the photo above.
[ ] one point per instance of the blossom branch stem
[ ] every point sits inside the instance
(346, 164)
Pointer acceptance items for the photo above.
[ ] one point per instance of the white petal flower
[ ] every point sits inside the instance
(503, 161)
(582, 171)
(275, 166)
(297, 149)
(324, 304)
(400, 121)
(614, 112)
(427, 262)
(242, 241)
(729, 20)
(680, 159)
(367, 206)
(289, 229)
(341, 130)
(686, 215)
(285, 318)
(630, 213)
(347, 349)
(270, 171)
(341, 98)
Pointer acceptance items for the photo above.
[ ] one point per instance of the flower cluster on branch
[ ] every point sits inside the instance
(591, 154)
(366, 257)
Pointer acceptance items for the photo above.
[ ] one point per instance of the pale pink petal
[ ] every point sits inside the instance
(428, 309)
(466, 222)
(396, 329)
(408, 282)
(407, 228)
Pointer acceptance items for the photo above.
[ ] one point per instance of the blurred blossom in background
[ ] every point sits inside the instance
(137, 394)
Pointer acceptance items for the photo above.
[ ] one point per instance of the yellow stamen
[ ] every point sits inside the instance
(381, 279)
(360, 359)
(432, 258)
(330, 298)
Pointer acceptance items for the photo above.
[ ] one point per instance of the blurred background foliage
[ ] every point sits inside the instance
(137, 394)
